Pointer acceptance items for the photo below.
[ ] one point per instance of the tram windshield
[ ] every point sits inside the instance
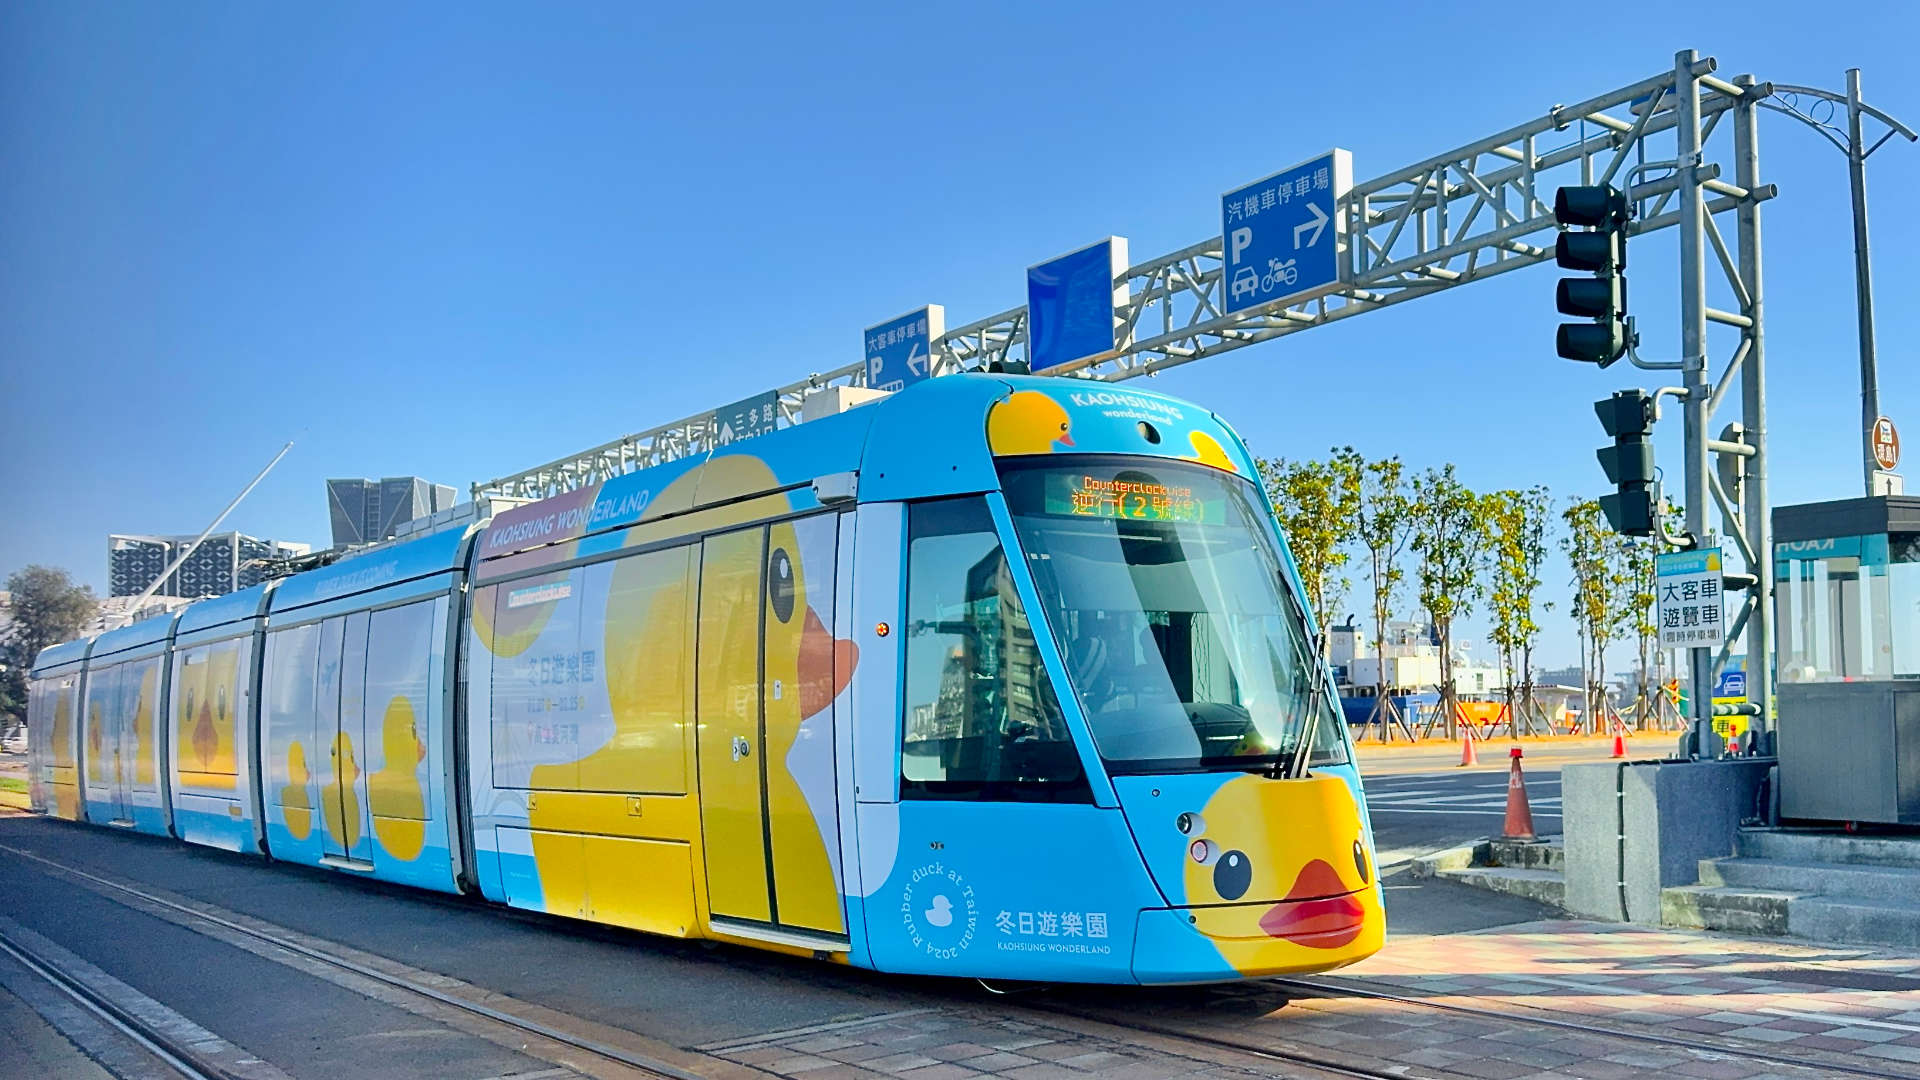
(1164, 590)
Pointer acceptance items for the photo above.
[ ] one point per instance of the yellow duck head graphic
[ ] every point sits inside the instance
(1274, 893)
(1028, 422)
(1208, 451)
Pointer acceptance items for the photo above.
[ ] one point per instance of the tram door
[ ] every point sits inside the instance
(115, 722)
(340, 722)
(764, 690)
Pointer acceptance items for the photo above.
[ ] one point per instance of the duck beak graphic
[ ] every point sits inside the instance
(1065, 439)
(1318, 912)
(826, 665)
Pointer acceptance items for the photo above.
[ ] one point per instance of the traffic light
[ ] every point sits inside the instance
(1628, 417)
(1600, 250)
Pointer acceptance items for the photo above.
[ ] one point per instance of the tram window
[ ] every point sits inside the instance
(1164, 587)
(982, 721)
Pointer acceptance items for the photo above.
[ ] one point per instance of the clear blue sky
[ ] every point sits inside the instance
(457, 240)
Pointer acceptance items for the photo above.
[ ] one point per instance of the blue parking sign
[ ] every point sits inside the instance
(1282, 234)
(900, 350)
(1071, 302)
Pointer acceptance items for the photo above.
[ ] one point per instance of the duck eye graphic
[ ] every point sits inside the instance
(780, 584)
(1231, 875)
(1360, 861)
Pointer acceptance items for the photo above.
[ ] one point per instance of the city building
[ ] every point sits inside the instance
(222, 563)
(369, 511)
(1410, 658)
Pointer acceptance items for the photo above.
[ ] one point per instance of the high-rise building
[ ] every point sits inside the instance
(222, 563)
(368, 511)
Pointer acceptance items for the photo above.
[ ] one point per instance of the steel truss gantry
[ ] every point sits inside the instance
(1482, 209)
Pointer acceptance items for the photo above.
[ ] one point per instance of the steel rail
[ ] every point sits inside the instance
(1589, 1027)
(176, 1056)
(499, 1016)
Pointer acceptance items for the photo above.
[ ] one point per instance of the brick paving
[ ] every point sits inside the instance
(1820, 1005)
(1795, 997)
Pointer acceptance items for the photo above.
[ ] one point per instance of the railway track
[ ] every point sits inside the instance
(647, 1068)
(1695, 1045)
(1597, 1026)
(1039, 1000)
(173, 1053)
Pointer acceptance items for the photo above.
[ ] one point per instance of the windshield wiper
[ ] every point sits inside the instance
(1289, 764)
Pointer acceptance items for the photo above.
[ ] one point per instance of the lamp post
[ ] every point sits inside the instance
(1818, 114)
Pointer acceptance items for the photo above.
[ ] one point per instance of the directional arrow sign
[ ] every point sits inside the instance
(1283, 235)
(1318, 225)
(900, 351)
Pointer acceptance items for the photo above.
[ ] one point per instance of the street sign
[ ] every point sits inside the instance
(1687, 587)
(1282, 234)
(746, 418)
(1886, 444)
(900, 351)
(1071, 302)
(1731, 687)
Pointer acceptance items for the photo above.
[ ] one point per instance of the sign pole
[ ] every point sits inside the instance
(1755, 507)
(1862, 275)
(1693, 354)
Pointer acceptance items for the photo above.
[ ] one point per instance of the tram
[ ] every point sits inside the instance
(1003, 677)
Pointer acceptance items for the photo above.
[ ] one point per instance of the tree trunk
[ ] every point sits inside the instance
(1380, 706)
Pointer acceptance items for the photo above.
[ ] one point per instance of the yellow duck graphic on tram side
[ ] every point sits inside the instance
(651, 614)
(399, 803)
(339, 799)
(294, 804)
(1028, 422)
(1273, 894)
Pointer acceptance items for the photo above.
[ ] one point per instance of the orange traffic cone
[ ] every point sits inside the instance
(1467, 756)
(1619, 745)
(1519, 813)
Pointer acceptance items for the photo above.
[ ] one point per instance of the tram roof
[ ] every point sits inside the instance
(375, 568)
(248, 603)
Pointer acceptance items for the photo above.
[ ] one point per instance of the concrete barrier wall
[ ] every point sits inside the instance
(1633, 828)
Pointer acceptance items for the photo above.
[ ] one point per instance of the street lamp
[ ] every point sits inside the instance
(1818, 115)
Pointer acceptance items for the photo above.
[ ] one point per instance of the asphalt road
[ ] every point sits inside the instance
(1414, 813)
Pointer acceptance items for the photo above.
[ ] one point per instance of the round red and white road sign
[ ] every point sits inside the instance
(1886, 444)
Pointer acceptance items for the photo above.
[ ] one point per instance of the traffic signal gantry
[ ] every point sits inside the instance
(1600, 213)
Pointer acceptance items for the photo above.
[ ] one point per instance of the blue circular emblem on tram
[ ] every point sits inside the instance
(938, 911)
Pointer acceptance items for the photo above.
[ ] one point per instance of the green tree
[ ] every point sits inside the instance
(1316, 502)
(1636, 617)
(1382, 523)
(47, 608)
(1448, 535)
(1517, 554)
(1591, 548)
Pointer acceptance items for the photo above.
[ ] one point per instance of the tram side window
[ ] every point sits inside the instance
(982, 721)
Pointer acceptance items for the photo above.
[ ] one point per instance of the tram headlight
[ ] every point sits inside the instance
(1203, 851)
(1190, 824)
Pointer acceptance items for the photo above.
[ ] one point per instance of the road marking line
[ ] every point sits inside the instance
(1463, 810)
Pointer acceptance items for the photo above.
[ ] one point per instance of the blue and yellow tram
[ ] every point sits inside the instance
(1000, 676)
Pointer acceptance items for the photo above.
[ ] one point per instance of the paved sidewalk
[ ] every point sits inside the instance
(1796, 996)
(1388, 759)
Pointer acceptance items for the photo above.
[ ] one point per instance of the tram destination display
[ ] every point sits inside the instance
(1131, 496)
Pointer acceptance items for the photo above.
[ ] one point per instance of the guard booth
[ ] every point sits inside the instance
(1847, 625)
